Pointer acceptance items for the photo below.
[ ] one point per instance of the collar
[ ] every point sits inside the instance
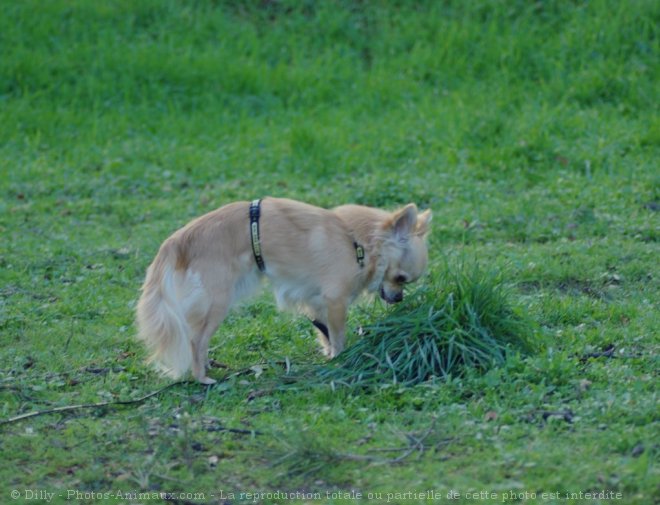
(359, 254)
(255, 213)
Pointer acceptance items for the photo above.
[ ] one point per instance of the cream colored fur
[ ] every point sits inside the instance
(207, 266)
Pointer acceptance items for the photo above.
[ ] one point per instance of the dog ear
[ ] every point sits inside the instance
(404, 222)
(423, 221)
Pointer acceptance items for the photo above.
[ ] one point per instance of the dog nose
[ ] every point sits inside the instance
(391, 298)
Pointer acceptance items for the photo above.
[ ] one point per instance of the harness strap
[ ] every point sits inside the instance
(255, 213)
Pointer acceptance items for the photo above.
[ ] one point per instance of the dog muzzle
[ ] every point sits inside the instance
(391, 297)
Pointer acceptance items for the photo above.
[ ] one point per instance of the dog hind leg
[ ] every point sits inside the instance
(201, 339)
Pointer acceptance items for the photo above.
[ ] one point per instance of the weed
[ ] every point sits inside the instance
(460, 318)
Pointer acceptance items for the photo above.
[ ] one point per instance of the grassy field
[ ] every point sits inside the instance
(531, 129)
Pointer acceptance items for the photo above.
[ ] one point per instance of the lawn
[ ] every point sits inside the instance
(531, 129)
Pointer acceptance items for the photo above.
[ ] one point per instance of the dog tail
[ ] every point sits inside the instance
(161, 317)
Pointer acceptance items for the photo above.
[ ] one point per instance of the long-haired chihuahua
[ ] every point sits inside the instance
(316, 260)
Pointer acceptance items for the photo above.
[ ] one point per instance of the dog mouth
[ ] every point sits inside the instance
(395, 298)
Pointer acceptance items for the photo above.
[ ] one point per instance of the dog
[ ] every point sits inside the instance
(317, 261)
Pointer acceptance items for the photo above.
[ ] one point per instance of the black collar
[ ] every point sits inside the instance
(359, 254)
(255, 212)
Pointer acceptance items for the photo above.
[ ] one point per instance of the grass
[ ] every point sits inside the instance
(530, 128)
(460, 320)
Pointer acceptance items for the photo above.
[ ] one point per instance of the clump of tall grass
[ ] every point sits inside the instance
(461, 318)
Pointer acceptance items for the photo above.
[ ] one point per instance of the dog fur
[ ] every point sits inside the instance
(206, 267)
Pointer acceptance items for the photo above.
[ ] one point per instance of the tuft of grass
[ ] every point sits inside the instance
(462, 318)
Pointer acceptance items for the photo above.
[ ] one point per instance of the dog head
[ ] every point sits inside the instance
(404, 251)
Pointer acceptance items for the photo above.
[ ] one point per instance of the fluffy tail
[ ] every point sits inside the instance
(161, 316)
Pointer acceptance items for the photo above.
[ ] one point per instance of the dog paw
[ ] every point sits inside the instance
(335, 351)
(207, 381)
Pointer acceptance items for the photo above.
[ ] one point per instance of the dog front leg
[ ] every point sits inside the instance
(322, 335)
(336, 327)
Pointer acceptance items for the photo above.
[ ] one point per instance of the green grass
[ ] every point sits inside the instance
(530, 128)
(460, 320)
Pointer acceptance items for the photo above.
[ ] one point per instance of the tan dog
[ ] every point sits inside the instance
(317, 260)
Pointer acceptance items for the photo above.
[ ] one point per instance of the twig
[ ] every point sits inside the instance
(220, 427)
(607, 352)
(565, 415)
(67, 408)
(416, 445)
(239, 431)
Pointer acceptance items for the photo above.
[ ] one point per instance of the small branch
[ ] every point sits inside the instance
(68, 408)
(417, 444)
(607, 352)
(137, 401)
(564, 415)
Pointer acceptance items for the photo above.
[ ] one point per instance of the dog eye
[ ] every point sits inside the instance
(401, 279)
